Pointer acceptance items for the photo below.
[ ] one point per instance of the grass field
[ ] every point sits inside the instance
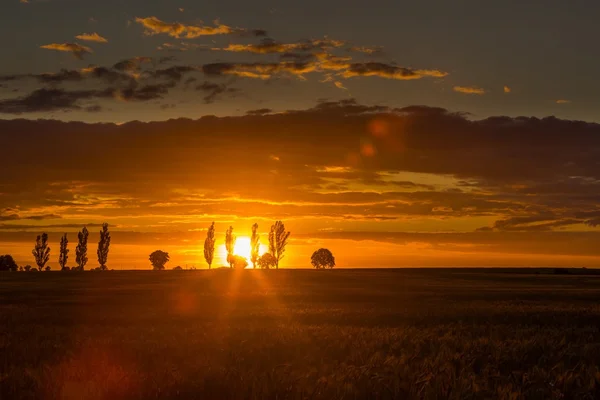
(299, 334)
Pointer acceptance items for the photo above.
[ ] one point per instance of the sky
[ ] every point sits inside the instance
(427, 133)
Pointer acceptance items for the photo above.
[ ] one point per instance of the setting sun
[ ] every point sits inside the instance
(243, 248)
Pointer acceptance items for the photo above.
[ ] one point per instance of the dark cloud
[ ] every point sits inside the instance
(214, 90)
(74, 48)
(44, 100)
(260, 111)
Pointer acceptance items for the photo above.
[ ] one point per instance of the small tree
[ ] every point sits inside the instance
(266, 261)
(103, 246)
(322, 258)
(278, 239)
(41, 251)
(64, 252)
(81, 250)
(7, 263)
(158, 259)
(239, 262)
(230, 246)
(209, 245)
(27, 268)
(47, 268)
(254, 245)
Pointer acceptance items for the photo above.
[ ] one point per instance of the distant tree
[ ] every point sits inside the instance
(66, 269)
(230, 245)
(7, 263)
(158, 259)
(27, 268)
(178, 268)
(47, 268)
(21, 268)
(278, 239)
(254, 245)
(41, 251)
(209, 245)
(103, 246)
(81, 250)
(64, 252)
(266, 261)
(239, 262)
(322, 258)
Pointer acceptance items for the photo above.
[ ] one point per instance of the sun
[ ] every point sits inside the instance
(243, 247)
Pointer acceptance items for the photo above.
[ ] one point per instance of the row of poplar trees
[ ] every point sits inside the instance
(41, 251)
(278, 239)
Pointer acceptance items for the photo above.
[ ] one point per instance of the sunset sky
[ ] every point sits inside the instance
(430, 133)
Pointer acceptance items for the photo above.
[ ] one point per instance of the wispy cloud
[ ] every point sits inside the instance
(563, 101)
(469, 90)
(507, 89)
(92, 37)
(74, 48)
(178, 30)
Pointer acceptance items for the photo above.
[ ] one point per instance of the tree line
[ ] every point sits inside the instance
(277, 238)
(41, 253)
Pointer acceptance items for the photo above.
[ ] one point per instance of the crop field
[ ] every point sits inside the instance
(299, 334)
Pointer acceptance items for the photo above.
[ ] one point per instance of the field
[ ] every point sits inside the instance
(299, 334)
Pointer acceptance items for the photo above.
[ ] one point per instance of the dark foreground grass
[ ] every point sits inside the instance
(383, 334)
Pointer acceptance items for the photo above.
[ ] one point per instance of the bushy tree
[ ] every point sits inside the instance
(81, 250)
(278, 238)
(158, 259)
(266, 261)
(103, 246)
(27, 268)
(322, 258)
(41, 251)
(64, 252)
(230, 245)
(7, 263)
(209, 245)
(254, 245)
(47, 268)
(239, 262)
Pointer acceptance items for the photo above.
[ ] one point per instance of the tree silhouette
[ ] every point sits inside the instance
(239, 262)
(41, 251)
(230, 245)
(103, 246)
(7, 263)
(209, 245)
(27, 268)
(278, 238)
(158, 259)
(81, 250)
(322, 258)
(254, 245)
(266, 261)
(64, 252)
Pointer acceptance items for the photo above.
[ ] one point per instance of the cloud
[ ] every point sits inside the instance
(268, 46)
(46, 100)
(214, 90)
(75, 48)
(260, 111)
(469, 90)
(375, 50)
(507, 89)
(562, 101)
(388, 71)
(178, 30)
(91, 37)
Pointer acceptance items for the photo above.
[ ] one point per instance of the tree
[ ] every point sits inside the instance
(64, 252)
(278, 239)
(230, 245)
(266, 261)
(7, 263)
(41, 251)
(254, 245)
(81, 250)
(209, 245)
(103, 246)
(47, 268)
(239, 262)
(27, 268)
(158, 259)
(322, 258)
